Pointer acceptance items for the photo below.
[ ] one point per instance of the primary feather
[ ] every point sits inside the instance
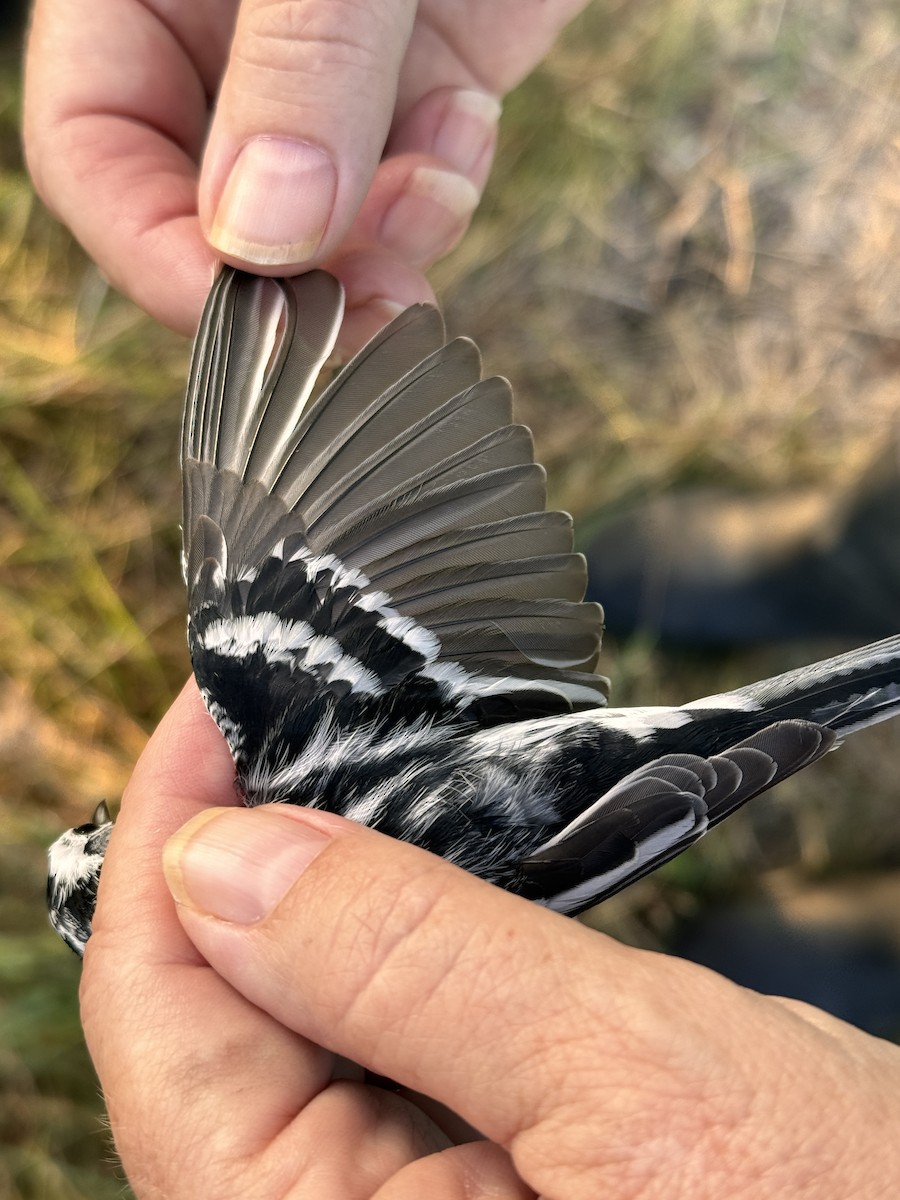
(384, 622)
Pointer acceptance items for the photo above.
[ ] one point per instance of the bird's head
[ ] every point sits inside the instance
(73, 876)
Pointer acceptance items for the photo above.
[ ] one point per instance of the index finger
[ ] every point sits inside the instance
(164, 1030)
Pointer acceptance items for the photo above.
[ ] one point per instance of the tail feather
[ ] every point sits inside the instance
(848, 692)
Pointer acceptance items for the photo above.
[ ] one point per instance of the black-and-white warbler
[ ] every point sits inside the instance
(384, 622)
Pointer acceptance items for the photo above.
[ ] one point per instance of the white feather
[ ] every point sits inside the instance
(646, 851)
(239, 637)
(70, 864)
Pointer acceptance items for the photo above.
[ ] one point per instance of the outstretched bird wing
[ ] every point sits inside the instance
(383, 620)
(383, 549)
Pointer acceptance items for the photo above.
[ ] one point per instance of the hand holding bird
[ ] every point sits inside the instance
(225, 1027)
(385, 624)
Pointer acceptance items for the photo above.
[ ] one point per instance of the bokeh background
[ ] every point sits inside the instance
(688, 263)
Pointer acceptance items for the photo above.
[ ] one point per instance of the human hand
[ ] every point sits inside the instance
(356, 136)
(592, 1069)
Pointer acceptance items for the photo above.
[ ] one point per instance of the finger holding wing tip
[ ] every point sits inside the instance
(416, 211)
(303, 111)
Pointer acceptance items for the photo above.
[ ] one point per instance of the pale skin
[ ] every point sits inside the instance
(394, 107)
(225, 1047)
(590, 1068)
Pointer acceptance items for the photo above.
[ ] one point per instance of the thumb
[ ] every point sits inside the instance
(377, 950)
(602, 1070)
(302, 117)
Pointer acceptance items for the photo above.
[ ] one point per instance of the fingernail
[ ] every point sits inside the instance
(238, 863)
(431, 213)
(469, 127)
(276, 202)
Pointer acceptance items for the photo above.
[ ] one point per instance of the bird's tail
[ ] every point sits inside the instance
(683, 770)
(844, 693)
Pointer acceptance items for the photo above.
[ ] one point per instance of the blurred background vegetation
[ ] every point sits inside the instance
(688, 263)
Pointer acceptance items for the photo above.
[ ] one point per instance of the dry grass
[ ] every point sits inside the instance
(706, 290)
(687, 264)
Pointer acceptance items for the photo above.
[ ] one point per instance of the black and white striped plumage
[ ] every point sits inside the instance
(384, 622)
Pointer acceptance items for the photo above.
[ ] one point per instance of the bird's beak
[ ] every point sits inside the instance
(101, 814)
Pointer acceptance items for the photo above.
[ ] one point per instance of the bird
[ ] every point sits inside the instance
(384, 621)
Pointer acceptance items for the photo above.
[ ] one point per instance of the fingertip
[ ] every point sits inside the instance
(362, 323)
(473, 1171)
(301, 119)
(429, 215)
(378, 286)
(237, 864)
(171, 280)
(187, 755)
(455, 125)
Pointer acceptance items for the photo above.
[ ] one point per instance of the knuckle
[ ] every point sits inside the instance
(285, 35)
(626, 1098)
(396, 956)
